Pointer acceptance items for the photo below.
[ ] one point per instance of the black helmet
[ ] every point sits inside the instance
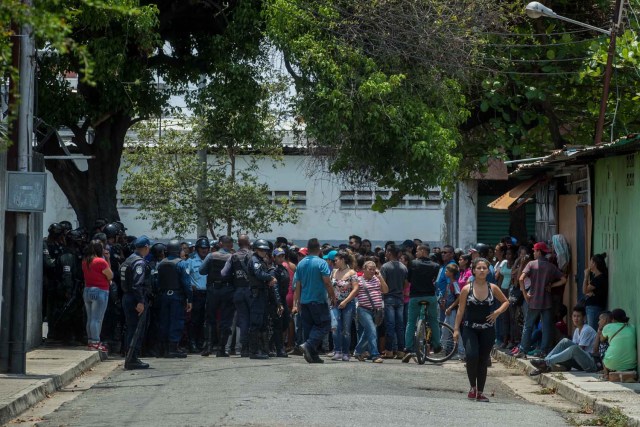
(121, 226)
(100, 222)
(483, 250)
(173, 247)
(66, 226)
(261, 244)
(203, 243)
(55, 228)
(75, 235)
(158, 249)
(111, 230)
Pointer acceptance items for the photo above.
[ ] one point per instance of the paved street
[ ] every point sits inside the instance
(234, 391)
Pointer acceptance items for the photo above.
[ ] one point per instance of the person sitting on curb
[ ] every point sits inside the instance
(621, 355)
(574, 353)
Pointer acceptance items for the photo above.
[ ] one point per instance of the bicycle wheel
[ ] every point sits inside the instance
(421, 342)
(448, 346)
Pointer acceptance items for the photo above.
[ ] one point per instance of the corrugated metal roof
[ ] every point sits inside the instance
(576, 155)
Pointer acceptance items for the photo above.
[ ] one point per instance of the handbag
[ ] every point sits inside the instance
(516, 297)
(378, 313)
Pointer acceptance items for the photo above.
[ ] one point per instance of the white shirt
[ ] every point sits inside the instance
(585, 337)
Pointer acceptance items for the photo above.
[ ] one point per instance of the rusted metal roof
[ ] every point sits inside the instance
(512, 197)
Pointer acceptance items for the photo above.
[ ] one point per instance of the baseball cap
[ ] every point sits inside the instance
(142, 241)
(472, 250)
(542, 247)
(278, 251)
(331, 255)
(304, 251)
(619, 315)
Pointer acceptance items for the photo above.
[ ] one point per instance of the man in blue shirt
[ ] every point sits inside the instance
(448, 254)
(310, 299)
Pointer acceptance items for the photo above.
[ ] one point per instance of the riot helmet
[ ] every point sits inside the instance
(111, 230)
(75, 235)
(483, 250)
(55, 228)
(173, 248)
(66, 226)
(157, 250)
(203, 243)
(261, 244)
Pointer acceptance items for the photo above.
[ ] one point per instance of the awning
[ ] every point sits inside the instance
(509, 200)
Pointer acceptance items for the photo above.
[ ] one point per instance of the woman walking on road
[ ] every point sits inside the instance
(478, 321)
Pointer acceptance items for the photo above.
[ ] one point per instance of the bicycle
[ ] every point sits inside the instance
(424, 350)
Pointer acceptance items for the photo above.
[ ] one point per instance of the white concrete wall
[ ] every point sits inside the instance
(322, 216)
(467, 233)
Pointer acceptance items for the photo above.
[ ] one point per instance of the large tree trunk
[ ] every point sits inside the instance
(92, 193)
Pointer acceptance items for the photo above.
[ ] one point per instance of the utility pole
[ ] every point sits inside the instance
(18, 354)
(615, 27)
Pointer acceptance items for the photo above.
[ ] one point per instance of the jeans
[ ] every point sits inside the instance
(567, 353)
(298, 330)
(432, 318)
(547, 325)
(316, 323)
(394, 323)
(95, 303)
(593, 313)
(341, 327)
(369, 332)
(451, 321)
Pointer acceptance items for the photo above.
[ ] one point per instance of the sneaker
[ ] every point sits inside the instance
(400, 355)
(514, 350)
(407, 357)
(520, 355)
(337, 356)
(538, 363)
(345, 357)
(97, 346)
(536, 353)
(473, 394)
(377, 359)
(360, 357)
(480, 397)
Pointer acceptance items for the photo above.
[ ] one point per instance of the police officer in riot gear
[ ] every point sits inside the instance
(134, 280)
(66, 226)
(261, 281)
(237, 267)
(279, 311)
(152, 345)
(220, 293)
(66, 319)
(174, 296)
(199, 288)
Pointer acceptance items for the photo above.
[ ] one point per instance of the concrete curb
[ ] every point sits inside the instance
(563, 388)
(40, 389)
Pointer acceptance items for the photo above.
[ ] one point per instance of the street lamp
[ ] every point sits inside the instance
(537, 10)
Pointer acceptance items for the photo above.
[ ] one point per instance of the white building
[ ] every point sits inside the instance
(328, 210)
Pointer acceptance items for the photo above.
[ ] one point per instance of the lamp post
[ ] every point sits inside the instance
(536, 10)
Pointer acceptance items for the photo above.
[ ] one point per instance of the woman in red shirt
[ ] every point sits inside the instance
(97, 277)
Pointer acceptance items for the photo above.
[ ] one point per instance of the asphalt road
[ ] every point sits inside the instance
(208, 391)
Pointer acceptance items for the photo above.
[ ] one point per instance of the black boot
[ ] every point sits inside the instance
(135, 363)
(244, 344)
(174, 352)
(222, 351)
(265, 344)
(254, 346)
(207, 348)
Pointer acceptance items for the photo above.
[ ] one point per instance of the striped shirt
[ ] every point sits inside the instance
(373, 286)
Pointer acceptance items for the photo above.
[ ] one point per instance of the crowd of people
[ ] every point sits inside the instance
(261, 299)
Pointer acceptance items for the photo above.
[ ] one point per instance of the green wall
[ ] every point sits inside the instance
(616, 222)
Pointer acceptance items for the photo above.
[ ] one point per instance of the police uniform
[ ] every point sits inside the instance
(152, 346)
(174, 292)
(258, 333)
(220, 296)
(237, 267)
(66, 323)
(135, 283)
(279, 322)
(199, 287)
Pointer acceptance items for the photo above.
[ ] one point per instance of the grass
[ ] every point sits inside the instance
(561, 377)
(547, 390)
(610, 418)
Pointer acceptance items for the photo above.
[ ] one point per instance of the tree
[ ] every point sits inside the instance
(129, 45)
(162, 180)
(379, 84)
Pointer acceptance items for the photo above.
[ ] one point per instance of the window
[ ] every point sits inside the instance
(296, 198)
(364, 199)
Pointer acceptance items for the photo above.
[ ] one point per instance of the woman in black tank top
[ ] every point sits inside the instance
(478, 321)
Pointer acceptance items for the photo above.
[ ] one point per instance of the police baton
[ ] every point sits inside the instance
(136, 335)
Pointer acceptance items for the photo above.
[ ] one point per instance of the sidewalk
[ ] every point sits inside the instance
(584, 388)
(48, 370)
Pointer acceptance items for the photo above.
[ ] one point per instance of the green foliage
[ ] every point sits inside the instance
(381, 115)
(162, 180)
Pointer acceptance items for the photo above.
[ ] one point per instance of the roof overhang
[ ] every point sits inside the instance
(518, 195)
